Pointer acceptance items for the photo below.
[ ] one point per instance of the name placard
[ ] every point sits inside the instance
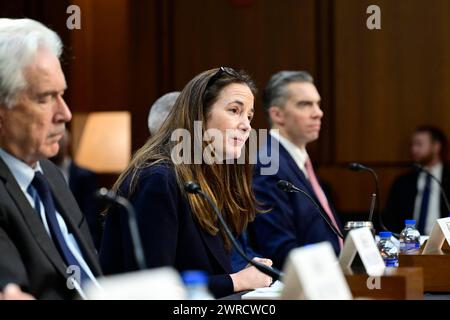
(312, 272)
(162, 283)
(440, 233)
(361, 241)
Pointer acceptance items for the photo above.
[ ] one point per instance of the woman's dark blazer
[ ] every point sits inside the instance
(170, 234)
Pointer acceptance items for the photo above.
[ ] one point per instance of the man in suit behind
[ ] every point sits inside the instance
(293, 106)
(83, 184)
(414, 195)
(45, 246)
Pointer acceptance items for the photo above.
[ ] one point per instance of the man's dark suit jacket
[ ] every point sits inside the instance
(402, 196)
(28, 257)
(83, 184)
(292, 221)
(171, 235)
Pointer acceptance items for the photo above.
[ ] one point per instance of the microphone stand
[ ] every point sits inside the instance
(112, 197)
(360, 167)
(289, 187)
(372, 206)
(194, 188)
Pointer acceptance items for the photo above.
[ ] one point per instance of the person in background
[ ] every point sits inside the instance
(180, 229)
(83, 184)
(292, 104)
(160, 109)
(415, 195)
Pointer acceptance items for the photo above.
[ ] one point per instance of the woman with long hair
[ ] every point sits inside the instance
(201, 140)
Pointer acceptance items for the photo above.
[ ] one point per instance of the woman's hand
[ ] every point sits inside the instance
(250, 278)
(13, 292)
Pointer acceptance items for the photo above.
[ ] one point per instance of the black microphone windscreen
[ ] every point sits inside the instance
(191, 187)
(284, 185)
(104, 193)
(355, 166)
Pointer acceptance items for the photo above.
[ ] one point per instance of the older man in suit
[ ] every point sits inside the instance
(293, 106)
(45, 246)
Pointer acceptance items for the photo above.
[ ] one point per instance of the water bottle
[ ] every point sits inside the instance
(410, 238)
(196, 283)
(388, 250)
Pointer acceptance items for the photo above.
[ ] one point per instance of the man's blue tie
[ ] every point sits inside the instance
(424, 205)
(40, 189)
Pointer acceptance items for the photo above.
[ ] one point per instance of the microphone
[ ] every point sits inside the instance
(358, 167)
(287, 186)
(114, 198)
(194, 188)
(423, 169)
(354, 166)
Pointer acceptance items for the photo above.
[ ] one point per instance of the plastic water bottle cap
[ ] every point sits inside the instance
(194, 277)
(385, 234)
(410, 222)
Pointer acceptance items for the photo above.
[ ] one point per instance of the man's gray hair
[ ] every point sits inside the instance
(275, 93)
(20, 40)
(160, 110)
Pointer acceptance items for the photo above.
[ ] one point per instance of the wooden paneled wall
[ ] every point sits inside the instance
(376, 85)
(385, 83)
(391, 80)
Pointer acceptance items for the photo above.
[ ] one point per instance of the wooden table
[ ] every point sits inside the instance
(395, 284)
(436, 270)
